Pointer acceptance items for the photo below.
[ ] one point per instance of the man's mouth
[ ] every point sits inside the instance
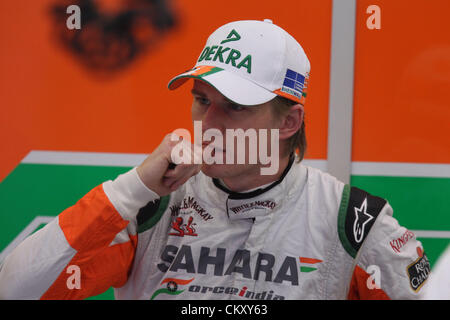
(212, 145)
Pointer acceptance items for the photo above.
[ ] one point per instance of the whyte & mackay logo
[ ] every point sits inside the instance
(183, 229)
(253, 205)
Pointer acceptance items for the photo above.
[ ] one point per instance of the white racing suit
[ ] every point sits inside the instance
(306, 236)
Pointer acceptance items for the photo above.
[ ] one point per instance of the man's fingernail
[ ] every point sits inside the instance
(172, 166)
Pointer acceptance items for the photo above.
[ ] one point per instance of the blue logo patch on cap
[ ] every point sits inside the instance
(293, 83)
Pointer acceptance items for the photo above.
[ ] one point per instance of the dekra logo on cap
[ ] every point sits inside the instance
(227, 55)
(232, 36)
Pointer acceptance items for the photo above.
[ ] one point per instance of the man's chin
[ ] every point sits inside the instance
(223, 171)
(217, 171)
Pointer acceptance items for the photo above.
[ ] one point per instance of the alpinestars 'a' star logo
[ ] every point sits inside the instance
(361, 219)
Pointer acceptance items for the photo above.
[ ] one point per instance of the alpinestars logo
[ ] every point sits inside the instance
(362, 217)
(171, 287)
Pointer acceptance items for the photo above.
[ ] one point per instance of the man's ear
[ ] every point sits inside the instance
(291, 122)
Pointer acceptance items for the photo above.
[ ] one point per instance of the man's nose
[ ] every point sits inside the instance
(213, 117)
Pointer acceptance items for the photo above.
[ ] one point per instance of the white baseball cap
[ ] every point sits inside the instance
(251, 62)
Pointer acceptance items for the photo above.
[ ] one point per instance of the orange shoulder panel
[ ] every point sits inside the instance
(359, 289)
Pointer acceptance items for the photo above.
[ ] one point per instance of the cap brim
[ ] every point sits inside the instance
(235, 88)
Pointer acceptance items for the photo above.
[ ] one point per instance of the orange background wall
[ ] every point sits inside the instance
(50, 102)
(402, 83)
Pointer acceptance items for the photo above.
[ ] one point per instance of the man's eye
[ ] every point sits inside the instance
(236, 107)
(202, 100)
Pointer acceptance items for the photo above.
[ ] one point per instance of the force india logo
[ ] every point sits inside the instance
(172, 288)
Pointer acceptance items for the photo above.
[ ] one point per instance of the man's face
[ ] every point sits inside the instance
(215, 111)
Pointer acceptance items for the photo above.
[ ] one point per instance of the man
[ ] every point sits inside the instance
(226, 231)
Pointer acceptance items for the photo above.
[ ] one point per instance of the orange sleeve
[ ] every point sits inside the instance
(359, 289)
(90, 227)
(86, 249)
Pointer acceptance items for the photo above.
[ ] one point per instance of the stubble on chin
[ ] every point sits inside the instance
(229, 171)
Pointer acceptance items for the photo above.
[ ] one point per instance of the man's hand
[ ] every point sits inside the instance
(157, 171)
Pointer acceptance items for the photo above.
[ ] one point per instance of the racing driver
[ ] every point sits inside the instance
(226, 231)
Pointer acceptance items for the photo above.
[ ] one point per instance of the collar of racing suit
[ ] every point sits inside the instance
(260, 201)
